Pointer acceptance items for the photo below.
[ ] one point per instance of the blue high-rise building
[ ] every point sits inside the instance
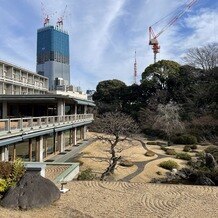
(53, 55)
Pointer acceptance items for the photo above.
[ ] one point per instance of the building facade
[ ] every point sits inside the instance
(53, 56)
(37, 127)
(15, 80)
(36, 124)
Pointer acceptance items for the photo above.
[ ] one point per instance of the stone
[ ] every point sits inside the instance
(32, 191)
(210, 161)
(203, 180)
(149, 153)
(126, 163)
(174, 171)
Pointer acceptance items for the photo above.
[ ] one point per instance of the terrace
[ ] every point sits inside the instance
(34, 124)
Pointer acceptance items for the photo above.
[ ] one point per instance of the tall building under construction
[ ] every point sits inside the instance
(53, 55)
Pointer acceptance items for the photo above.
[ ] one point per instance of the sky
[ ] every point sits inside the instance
(104, 34)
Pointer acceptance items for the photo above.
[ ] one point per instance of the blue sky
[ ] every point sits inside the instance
(105, 33)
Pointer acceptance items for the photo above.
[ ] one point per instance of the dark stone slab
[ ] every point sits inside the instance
(32, 191)
(49, 161)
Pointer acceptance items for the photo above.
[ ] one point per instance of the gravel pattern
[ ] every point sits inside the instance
(122, 199)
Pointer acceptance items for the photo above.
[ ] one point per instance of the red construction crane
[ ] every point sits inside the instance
(176, 15)
(60, 21)
(46, 16)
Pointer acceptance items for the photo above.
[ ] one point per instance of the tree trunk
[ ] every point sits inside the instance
(110, 168)
(113, 161)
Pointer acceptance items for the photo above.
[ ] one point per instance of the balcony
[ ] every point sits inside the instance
(33, 124)
(36, 85)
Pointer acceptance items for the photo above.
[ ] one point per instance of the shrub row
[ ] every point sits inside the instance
(10, 174)
(86, 175)
(183, 156)
(184, 139)
(168, 165)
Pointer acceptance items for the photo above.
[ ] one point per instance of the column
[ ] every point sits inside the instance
(84, 132)
(74, 136)
(2, 154)
(85, 109)
(41, 149)
(75, 109)
(61, 141)
(5, 154)
(30, 149)
(61, 107)
(4, 110)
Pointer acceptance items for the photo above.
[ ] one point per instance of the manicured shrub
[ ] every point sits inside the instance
(185, 140)
(194, 147)
(5, 169)
(152, 143)
(86, 175)
(187, 148)
(163, 148)
(126, 163)
(149, 153)
(3, 185)
(10, 173)
(17, 170)
(170, 151)
(205, 144)
(183, 156)
(162, 143)
(168, 165)
(200, 154)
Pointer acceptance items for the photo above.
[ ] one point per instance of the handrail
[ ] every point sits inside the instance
(30, 123)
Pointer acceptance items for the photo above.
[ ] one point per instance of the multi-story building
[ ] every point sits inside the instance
(41, 115)
(53, 55)
(15, 80)
(36, 124)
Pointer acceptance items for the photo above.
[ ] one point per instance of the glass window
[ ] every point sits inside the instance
(67, 138)
(78, 133)
(11, 152)
(22, 150)
(34, 149)
(50, 144)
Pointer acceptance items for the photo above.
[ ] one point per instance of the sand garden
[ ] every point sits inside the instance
(129, 194)
(144, 168)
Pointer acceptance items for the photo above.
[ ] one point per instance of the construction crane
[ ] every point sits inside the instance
(174, 16)
(46, 16)
(60, 21)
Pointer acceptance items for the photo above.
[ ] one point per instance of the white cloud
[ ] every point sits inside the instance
(104, 35)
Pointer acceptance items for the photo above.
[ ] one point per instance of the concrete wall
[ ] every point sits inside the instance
(53, 69)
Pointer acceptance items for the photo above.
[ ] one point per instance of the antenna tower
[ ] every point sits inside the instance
(135, 70)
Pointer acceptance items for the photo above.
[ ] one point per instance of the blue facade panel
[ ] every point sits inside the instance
(53, 59)
(50, 39)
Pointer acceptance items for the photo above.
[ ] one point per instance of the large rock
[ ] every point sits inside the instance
(203, 180)
(32, 191)
(210, 160)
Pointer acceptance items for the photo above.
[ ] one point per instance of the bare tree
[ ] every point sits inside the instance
(117, 127)
(168, 119)
(205, 57)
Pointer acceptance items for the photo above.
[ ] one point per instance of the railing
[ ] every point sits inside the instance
(33, 123)
(21, 82)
